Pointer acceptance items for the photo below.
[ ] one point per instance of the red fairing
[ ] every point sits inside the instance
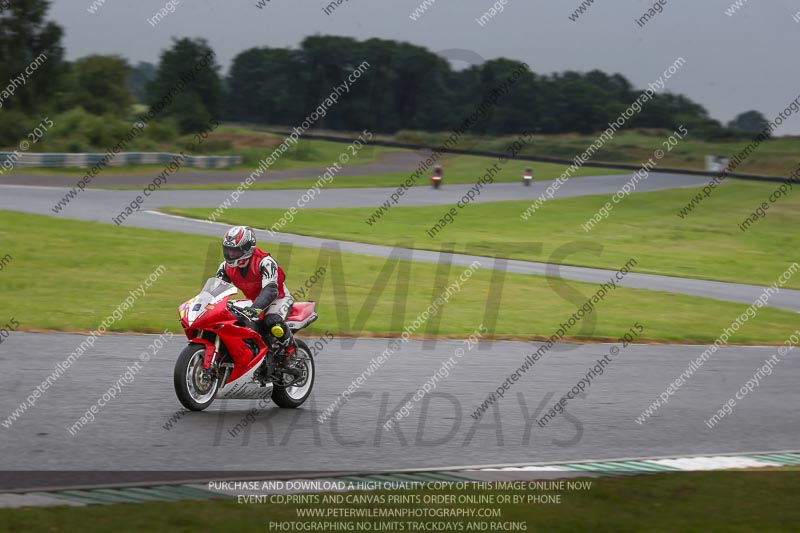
(300, 311)
(215, 315)
(250, 283)
(218, 320)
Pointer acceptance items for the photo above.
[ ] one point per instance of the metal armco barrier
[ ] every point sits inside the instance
(33, 160)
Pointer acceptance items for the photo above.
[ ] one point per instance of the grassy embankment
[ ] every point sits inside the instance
(92, 268)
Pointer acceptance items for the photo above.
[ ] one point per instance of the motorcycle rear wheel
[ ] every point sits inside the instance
(193, 385)
(294, 396)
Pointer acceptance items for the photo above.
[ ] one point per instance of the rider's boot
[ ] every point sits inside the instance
(281, 343)
(285, 343)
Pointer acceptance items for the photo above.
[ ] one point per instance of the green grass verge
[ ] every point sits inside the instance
(90, 268)
(307, 153)
(708, 502)
(776, 157)
(707, 244)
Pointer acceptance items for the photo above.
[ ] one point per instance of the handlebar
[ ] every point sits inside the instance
(235, 310)
(238, 313)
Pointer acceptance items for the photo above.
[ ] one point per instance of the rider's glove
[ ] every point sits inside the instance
(251, 312)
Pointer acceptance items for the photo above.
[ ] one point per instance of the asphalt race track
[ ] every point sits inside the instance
(92, 202)
(130, 434)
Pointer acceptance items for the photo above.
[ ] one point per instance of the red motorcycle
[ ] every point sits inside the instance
(225, 351)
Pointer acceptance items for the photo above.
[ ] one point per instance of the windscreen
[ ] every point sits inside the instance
(213, 290)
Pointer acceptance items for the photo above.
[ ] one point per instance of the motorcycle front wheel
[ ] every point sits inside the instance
(194, 386)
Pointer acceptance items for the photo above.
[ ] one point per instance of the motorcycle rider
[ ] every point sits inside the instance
(437, 176)
(527, 176)
(258, 276)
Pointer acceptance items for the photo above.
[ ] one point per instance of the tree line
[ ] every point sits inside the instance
(407, 87)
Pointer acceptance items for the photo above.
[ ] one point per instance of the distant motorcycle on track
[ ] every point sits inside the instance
(436, 177)
(225, 353)
(527, 177)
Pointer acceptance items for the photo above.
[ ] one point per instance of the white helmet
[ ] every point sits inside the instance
(238, 246)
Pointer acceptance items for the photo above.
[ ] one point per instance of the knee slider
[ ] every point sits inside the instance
(275, 324)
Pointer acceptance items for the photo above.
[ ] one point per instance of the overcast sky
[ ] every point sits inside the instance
(733, 63)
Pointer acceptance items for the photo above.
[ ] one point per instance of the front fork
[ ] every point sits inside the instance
(212, 350)
(210, 360)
